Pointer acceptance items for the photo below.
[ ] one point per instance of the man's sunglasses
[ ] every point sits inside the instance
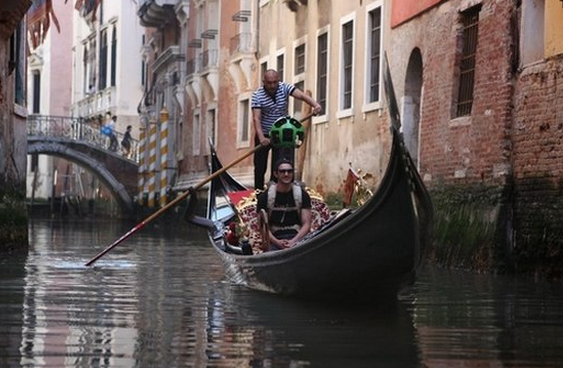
(285, 171)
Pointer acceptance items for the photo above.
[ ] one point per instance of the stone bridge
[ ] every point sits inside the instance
(83, 144)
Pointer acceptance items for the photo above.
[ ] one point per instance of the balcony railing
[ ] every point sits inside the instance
(75, 129)
(97, 103)
(210, 58)
(193, 65)
(242, 42)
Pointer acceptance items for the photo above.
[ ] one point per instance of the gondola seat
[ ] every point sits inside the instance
(246, 208)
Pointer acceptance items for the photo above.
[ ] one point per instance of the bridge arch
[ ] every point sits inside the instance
(104, 165)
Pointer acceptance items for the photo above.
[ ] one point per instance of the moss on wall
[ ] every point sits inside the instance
(471, 227)
(538, 241)
(13, 221)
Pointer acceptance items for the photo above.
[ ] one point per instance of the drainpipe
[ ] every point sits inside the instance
(256, 29)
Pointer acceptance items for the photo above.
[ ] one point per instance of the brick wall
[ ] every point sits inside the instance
(466, 161)
(474, 148)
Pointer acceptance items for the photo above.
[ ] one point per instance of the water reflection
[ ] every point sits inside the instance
(468, 320)
(160, 300)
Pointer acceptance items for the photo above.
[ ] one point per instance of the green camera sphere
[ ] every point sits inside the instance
(287, 132)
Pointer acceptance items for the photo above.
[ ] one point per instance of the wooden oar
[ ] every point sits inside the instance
(302, 151)
(142, 224)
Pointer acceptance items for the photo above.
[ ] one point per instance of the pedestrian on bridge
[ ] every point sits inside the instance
(109, 130)
(126, 142)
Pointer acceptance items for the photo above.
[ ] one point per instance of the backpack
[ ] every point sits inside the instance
(297, 197)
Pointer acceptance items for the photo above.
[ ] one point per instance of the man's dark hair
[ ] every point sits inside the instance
(283, 161)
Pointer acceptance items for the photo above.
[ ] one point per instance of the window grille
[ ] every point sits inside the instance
(375, 54)
(347, 49)
(300, 59)
(322, 70)
(470, 22)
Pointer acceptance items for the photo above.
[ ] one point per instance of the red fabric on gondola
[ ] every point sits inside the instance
(236, 197)
(351, 180)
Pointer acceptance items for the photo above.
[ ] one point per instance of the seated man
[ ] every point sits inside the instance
(288, 208)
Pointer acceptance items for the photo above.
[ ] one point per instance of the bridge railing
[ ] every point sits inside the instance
(76, 129)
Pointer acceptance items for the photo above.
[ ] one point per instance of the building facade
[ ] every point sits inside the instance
(49, 93)
(107, 70)
(333, 50)
(200, 57)
(479, 86)
(86, 66)
(13, 113)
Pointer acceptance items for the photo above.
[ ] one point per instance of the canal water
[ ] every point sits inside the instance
(160, 299)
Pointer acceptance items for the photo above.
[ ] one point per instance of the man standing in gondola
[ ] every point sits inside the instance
(287, 208)
(269, 103)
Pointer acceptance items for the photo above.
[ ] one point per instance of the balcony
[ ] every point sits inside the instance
(210, 59)
(210, 73)
(193, 66)
(156, 13)
(241, 43)
(169, 56)
(97, 103)
(11, 13)
(242, 47)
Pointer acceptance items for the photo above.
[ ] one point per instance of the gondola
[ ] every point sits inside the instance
(375, 249)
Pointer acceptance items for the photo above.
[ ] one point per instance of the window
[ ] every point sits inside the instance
(210, 123)
(34, 164)
(36, 92)
(17, 64)
(196, 133)
(322, 70)
(279, 66)
(87, 88)
(92, 65)
(244, 122)
(143, 72)
(114, 56)
(103, 60)
(374, 54)
(263, 69)
(300, 59)
(297, 103)
(347, 65)
(470, 23)
(143, 65)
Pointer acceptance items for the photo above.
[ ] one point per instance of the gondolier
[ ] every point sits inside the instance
(288, 208)
(269, 103)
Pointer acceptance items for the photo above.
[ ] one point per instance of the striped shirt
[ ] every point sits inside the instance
(272, 108)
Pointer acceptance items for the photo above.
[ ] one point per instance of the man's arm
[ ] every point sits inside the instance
(257, 120)
(297, 93)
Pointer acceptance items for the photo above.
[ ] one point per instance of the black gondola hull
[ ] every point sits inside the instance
(377, 249)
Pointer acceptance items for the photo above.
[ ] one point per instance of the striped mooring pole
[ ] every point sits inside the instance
(142, 166)
(152, 164)
(163, 157)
